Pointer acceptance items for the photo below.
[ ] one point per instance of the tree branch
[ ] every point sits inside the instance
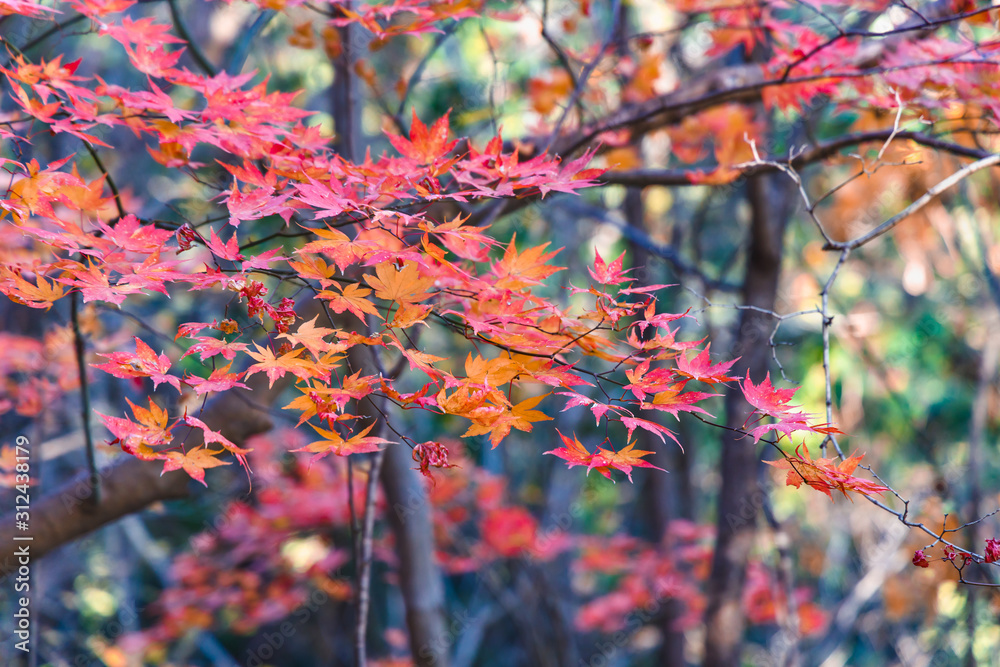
(365, 566)
(925, 199)
(678, 177)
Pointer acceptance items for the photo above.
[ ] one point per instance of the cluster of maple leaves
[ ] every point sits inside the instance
(385, 263)
(375, 255)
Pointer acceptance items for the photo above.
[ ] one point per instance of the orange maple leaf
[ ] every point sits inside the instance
(499, 420)
(517, 270)
(276, 367)
(352, 298)
(194, 462)
(404, 285)
(310, 336)
(138, 437)
(19, 290)
(624, 460)
(332, 443)
(826, 474)
(424, 145)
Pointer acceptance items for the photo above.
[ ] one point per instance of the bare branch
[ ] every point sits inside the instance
(925, 199)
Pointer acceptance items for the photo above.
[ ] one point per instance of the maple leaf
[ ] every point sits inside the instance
(194, 462)
(632, 423)
(409, 314)
(255, 204)
(138, 437)
(642, 380)
(701, 368)
(660, 320)
(599, 409)
(208, 347)
(332, 443)
(404, 285)
(314, 268)
(517, 270)
(609, 274)
(497, 371)
(772, 402)
(417, 359)
(276, 367)
(229, 250)
(465, 242)
(424, 146)
(431, 455)
(500, 420)
(351, 298)
(575, 454)
(42, 295)
(143, 363)
(310, 336)
(131, 235)
(766, 398)
(318, 399)
(826, 474)
(211, 437)
(219, 380)
(95, 285)
(338, 246)
(624, 459)
(263, 260)
(674, 400)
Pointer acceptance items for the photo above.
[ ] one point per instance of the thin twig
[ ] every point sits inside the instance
(365, 566)
(827, 321)
(585, 75)
(925, 199)
(108, 179)
(81, 367)
(193, 47)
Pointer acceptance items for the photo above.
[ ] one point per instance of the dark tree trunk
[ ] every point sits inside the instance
(419, 575)
(740, 497)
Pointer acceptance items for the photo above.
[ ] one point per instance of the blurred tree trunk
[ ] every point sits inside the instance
(419, 575)
(657, 500)
(738, 497)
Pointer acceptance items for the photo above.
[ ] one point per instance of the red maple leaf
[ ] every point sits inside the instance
(229, 250)
(211, 436)
(219, 380)
(674, 399)
(141, 364)
(624, 460)
(609, 274)
(424, 146)
(771, 402)
(572, 452)
(701, 368)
